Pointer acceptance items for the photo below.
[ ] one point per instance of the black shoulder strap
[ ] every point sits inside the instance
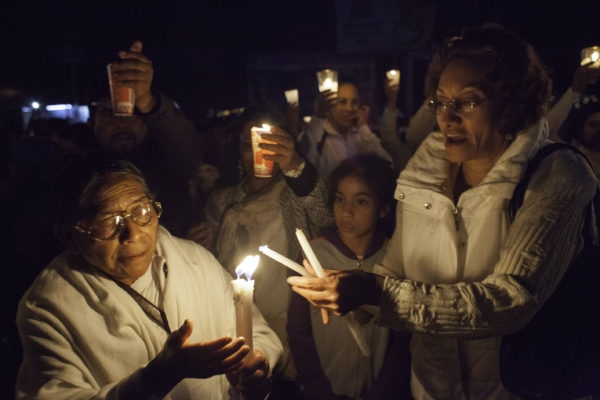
(519, 193)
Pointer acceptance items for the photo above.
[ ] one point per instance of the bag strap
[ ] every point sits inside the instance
(519, 193)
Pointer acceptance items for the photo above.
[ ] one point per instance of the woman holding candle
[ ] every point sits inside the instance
(329, 362)
(460, 274)
(112, 316)
(266, 211)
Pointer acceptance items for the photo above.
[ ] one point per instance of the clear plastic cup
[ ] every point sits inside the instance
(328, 80)
(262, 168)
(123, 98)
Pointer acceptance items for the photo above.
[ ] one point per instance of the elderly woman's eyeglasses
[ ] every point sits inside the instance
(461, 106)
(110, 228)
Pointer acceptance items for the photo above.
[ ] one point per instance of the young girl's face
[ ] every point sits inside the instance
(354, 208)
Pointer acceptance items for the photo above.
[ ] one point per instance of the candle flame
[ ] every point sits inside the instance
(247, 267)
(595, 56)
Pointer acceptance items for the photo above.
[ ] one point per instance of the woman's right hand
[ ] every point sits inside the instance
(180, 359)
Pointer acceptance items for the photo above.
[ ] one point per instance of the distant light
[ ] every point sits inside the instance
(307, 119)
(35, 105)
(58, 107)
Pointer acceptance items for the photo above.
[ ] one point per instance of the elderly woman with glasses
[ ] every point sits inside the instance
(458, 273)
(112, 316)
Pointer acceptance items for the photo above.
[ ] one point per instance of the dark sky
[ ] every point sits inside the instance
(54, 49)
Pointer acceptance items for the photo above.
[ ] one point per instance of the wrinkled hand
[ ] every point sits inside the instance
(339, 291)
(200, 234)
(135, 70)
(284, 149)
(584, 75)
(253, 378)
(391, 92)
(180, 359)
(362, 116)
(325, 101)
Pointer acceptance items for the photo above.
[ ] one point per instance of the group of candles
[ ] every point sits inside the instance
(328, 80)
(243, 289)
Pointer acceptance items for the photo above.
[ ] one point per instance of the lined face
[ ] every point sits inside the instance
(468, 134)
(354, 208)
(343, 115)
(128, 256)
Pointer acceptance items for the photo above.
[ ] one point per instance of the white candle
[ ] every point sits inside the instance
(394, 76)
(591, 56)
(291, 96)
(283, 260)
(243, 290)
(354, 327)
(328, 80)
(310, 254)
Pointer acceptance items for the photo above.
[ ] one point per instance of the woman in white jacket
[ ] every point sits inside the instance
(463, 274)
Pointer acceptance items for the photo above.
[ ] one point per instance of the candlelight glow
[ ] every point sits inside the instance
(595, 56)
(266, 127)
(247, 267)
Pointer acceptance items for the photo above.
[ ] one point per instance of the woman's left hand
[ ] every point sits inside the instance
(339, 291)
(284, 149)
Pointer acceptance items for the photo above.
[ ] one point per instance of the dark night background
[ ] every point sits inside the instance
(53, 49)
(213, 55)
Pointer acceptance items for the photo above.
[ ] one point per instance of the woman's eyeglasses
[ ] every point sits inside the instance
(110, 228)
(461, 106)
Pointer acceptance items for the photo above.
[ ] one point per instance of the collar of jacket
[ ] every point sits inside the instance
(429, 168)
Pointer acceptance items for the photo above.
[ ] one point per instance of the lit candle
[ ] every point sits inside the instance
(394, 76)
(591, 55)
(243, 290)
(283, 260)
(328, 80)
(291, 96)
(263, 168)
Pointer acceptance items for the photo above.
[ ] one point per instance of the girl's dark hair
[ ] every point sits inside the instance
(515, 79)
(377, 175)
(78, 183)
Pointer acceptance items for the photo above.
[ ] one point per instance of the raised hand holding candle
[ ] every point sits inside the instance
(394, 76)
(243, 290)
(283, 260)
(309, 253)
